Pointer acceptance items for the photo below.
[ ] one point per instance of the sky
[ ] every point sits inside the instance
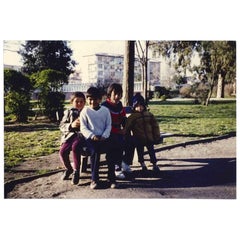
(80, 48)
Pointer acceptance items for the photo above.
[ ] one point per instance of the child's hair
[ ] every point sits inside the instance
(117, 88)
(75, 95)
(94, 92)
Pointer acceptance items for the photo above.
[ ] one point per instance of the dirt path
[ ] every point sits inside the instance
(206, 170)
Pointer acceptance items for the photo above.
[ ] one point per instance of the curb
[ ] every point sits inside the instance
(184, 144)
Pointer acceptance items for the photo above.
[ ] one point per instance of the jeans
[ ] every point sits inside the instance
(116, 150)
(96, 148)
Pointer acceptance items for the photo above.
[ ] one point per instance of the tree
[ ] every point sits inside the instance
(49, 83)
(142, 53)
(218, 63)
(49, 64)
(128, 80)
(17, 93)
(217, 60)
(41, 55)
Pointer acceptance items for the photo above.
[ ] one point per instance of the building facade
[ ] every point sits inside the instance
(107, 68)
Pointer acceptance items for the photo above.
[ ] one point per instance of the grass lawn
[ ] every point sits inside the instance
(183, 119)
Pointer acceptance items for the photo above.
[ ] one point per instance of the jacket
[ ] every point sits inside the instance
(67, 131)
(143, 126)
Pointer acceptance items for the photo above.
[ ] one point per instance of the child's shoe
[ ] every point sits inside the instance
(120, 175)
(93, 185)
(75, 179)
(66, 174)
(113, 185)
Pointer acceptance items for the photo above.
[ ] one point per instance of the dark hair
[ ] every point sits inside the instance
(94, 92)
(77, 94)
(117, 88)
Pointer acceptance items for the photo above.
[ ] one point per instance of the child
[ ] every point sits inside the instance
(145, 129)
(118, 115)
(95, 122)
(71, 138)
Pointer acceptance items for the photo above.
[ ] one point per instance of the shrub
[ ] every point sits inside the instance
(53, 103)
(186, 91)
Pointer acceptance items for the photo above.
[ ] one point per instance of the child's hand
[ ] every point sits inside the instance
(75, 124)
(98, 138)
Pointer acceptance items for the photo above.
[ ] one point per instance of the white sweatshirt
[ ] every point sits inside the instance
(95, 122)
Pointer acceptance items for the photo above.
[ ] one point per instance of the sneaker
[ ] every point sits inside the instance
(66, 174)
(126, 168)
(93, 185)
(155, 168)
(117, 168)
(75, 179)
(113, 185)
(120, 175)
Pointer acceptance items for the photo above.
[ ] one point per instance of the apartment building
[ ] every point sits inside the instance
(107, 68)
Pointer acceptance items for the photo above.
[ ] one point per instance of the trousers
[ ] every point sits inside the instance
(73, 144)
(95, 149)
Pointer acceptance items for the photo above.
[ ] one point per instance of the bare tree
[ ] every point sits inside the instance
(142, 53)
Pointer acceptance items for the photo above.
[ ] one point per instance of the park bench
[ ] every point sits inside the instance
(85, 158)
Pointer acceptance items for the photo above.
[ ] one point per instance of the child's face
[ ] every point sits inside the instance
(115, 97)
(93, 102)
(78, 103)
(139, 108)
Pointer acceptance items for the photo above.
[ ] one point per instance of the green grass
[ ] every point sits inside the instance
(29, 141)
(184, 119)
(195, 120)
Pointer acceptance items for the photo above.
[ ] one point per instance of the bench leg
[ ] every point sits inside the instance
(84, 164)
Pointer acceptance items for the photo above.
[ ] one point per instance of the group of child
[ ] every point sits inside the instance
(103, 127)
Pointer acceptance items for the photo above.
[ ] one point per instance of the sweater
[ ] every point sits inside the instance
(95, 122)
(144, 127)
(118, 115)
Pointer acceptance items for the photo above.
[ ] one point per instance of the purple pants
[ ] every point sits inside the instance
(73, 144)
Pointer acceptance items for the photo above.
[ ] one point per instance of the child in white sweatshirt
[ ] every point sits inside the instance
(95, 125)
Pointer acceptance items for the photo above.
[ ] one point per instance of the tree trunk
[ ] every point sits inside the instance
(145, 80)
(128, 78)
(210, 91)
(220, 87)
